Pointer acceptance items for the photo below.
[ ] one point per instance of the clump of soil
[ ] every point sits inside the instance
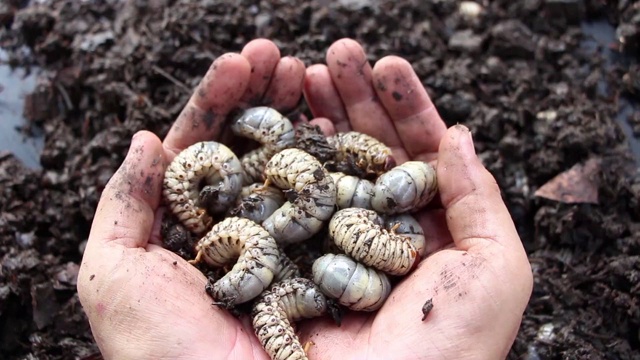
(516, 73)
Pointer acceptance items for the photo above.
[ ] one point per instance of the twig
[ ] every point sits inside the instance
(177, 82)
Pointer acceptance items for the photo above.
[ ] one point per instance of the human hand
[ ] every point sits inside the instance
(476, 273)
(142, 300)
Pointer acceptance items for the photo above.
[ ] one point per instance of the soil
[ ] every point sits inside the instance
(519, 75)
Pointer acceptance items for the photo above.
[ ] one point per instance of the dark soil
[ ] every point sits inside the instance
(518, 75)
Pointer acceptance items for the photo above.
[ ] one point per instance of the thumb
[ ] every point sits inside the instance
(475, 211)
(125, 213)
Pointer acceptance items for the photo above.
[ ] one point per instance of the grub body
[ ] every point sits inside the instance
(352, 191)
(352, 284)
(275, 311)
(257, 202)
(205, 166)
(268, 127)
(368, 154)
(311, 192)
(358, 234)
(257, 257)
(405, 188)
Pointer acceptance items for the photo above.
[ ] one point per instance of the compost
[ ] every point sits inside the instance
(541, 96)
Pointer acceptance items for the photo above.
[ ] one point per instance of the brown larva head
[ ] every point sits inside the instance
(383, 161)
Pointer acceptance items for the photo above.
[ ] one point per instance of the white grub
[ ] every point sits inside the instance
(369, 154)
(268, 127)
(311, 193)
(276, 310)
(405, 188)
(352, 284)
(407, 225)
(352, 191)
(205, 165)
(257, 256)
(257, 202)
(357, 234)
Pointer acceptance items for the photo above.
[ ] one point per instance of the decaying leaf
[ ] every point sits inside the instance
(576, 185)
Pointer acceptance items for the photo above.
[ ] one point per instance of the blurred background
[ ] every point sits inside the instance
(548, 87)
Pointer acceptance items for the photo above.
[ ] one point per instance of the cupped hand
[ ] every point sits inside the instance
(476, 272)
(143, 301)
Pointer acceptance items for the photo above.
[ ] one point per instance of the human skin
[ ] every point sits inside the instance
(144, 302)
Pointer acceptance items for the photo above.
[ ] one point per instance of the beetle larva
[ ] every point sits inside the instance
(357, 234)
(352, 191)
(257, 202)
(351, 283)
(407, 187)
(258, 259)
(311, 192)
(275, 311)
(268, 127)
(367, 153)
(407, 225)
(205, 167)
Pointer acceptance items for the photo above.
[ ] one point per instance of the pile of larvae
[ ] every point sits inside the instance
(245, 211)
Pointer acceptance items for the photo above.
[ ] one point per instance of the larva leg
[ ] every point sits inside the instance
(367, 153)
(203, 164)
(357, 234)
(407, 225)
(405, 188)
(352, 191)
(311, 192)
(275, 311)
(257, 254)
(351, 283)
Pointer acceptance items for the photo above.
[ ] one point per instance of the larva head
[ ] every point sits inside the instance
(382, 161)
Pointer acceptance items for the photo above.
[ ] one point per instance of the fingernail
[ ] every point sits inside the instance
(466, 140)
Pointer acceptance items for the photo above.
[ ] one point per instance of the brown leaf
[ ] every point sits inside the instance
(576, 185)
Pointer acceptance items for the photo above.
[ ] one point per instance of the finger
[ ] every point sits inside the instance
(217, 94)
(470, 195)
(263, 55)
(323, 97)
(285, 89)
(326, 126)
(352, 76)
(414, 116)
(125, 213)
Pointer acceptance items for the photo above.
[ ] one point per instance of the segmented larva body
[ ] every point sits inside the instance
(275, 311)
(287, 270)
(253, 163)
(405, 188)
(352, 284)
(313, 192)
(356, 232)
(209, 163)
(369, 154)
(268, 127)
(258, 259)
(407, 225)
(257, 202)
(352, 191)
